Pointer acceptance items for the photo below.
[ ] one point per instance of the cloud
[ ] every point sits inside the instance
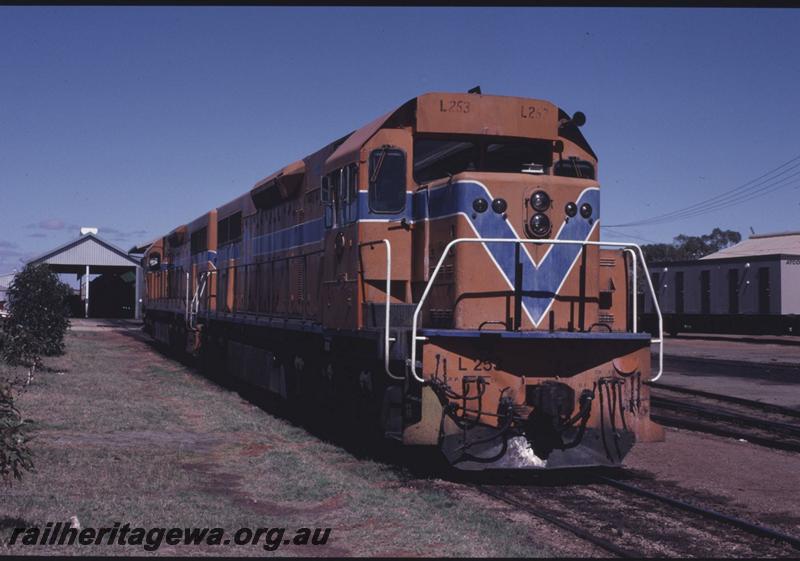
(52, 224)
(6, 252)
(57, 225)
(119, 235)
(7, 245)
(10, 259)
(49, 224)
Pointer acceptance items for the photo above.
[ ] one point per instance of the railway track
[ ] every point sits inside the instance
(520, 503)
(760, 423)
(627, 521)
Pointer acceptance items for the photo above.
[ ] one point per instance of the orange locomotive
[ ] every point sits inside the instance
(436, 273)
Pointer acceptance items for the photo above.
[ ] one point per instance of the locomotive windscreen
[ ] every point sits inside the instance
(435, 158)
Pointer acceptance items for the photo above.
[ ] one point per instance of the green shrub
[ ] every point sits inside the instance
(38, 316)
(35, 327)
(15, 456)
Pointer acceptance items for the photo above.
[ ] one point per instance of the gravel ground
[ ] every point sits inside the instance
(760, 371)
(740, 478)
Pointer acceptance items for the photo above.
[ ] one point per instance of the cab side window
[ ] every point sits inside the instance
(350, 193)
(339, 196)
(387, 181)
(331, 198)
(199, 241)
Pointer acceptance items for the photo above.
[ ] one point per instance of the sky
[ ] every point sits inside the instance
(138, 119)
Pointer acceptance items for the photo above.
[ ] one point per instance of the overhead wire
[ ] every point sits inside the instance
(761, 185)
(729, 203)
(723, 200)
(618, 234)
(740, 192)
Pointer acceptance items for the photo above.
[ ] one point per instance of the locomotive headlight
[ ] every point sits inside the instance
(499, 206)
(571, 209)
(586, 210)
(540, 201)
(540, 225)
(480, 205)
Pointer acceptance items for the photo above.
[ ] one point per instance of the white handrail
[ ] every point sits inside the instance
(198, 293)
(635, 290)
(187, 298)
(415, 319)
(386, 338)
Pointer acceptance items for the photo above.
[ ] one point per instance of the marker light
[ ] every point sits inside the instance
(571, 209)
(480, 205)
(586, 210)
(499, 206)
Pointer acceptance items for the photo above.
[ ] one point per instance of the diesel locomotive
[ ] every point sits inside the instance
(436, 275)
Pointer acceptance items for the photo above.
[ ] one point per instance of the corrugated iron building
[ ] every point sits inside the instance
(89, 255)
(751, 287)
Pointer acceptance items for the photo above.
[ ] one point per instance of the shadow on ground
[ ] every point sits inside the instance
(414, 462)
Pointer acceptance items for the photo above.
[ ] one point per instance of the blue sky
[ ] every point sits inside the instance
(135, 120)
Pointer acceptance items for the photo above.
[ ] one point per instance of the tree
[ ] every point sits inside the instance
(38, 317)
(15, 456)
(34, 328)
(686, 248)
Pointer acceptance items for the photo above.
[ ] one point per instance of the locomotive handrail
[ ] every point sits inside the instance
(635, 288)
(187, 297)
(198, 294)
(386, 338)
(630, 246)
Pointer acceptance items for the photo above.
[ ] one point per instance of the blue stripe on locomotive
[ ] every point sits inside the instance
(228, 251)
(540, 282)
(202, 257)
(288, 238)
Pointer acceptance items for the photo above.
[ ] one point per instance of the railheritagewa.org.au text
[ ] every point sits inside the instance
(150, 539)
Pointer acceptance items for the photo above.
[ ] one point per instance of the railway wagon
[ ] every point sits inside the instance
(437, 275)
(720, 293)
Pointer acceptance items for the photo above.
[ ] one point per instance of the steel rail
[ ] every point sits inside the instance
(768, 407)
(749, 527)
(725, 416)
(572, 528)
(715, 429)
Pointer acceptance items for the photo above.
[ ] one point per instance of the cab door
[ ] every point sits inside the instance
(386, 214)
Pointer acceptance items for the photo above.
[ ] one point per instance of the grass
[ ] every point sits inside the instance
(125, 434)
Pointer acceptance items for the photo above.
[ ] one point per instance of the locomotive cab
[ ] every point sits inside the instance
(526, 353)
